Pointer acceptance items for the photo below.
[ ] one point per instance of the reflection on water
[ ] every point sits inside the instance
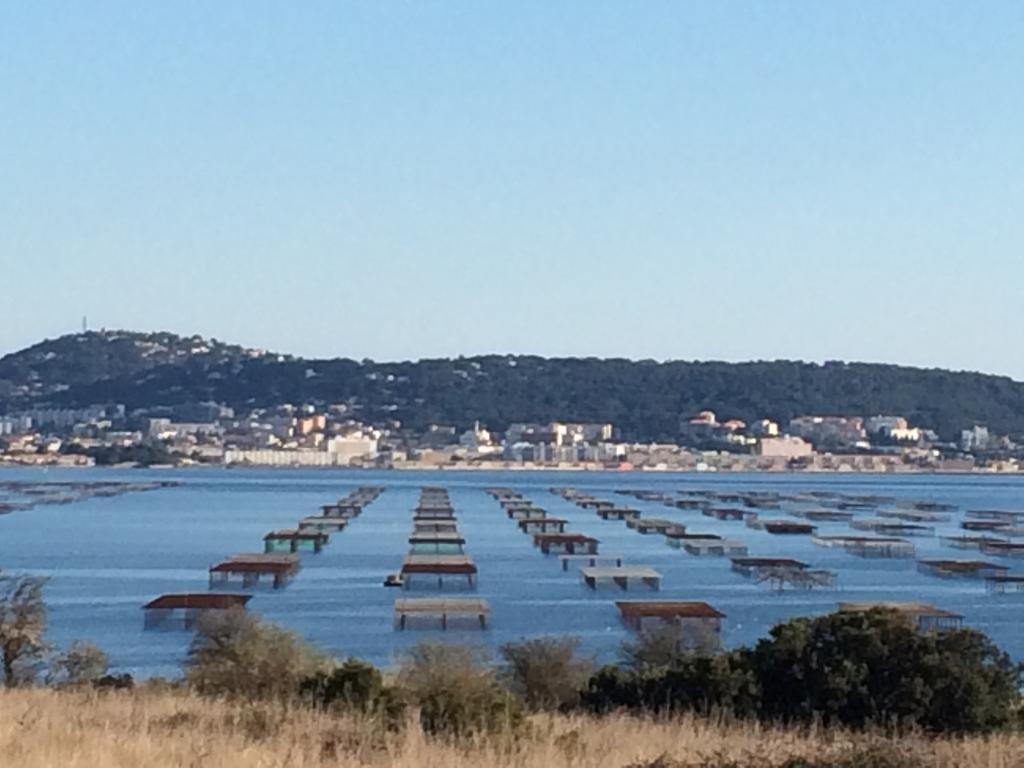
(106, 556)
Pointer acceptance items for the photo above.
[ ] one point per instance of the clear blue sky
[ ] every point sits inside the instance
(727, 180)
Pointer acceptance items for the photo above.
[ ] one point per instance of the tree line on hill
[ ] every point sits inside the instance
(857, 670)
(644, 399)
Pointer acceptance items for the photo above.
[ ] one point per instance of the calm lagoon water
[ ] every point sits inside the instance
(107, 556)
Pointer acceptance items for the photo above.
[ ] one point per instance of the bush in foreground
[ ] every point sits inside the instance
(665, 646)
(877, 669)
(547, 673)
(720, 683)
(82, 664)
(854, 670)
(23, 647)
(355, 686)
(238, 654)
(457, 693)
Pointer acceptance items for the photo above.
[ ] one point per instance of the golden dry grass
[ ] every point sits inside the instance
(155, 729)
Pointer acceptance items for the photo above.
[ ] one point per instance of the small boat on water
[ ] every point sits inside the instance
(394, 580)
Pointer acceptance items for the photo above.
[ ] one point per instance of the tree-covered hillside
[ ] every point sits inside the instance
(54, 365)
(645, 399)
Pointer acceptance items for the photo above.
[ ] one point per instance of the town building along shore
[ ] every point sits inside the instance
(329, 437)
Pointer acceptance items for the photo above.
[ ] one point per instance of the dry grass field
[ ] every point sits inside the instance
(155, 729)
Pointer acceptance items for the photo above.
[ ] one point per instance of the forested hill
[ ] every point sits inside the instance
(53, 366)
(643, 398)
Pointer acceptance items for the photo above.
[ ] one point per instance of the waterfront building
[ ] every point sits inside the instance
(784, 447)
(977, 438)
(183, 611)
(831, 431)
(623, 577)
(699, 624)
(413, 613)
(438, 570)
(250, 569)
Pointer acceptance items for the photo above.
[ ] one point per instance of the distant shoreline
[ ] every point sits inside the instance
(523, 468)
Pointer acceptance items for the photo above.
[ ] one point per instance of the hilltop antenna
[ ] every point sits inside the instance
(85, 323)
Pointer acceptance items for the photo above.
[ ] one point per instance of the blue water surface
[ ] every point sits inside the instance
(106, 557)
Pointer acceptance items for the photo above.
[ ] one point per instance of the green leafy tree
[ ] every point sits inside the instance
(876, 668)
(872, 669)
(974, 685)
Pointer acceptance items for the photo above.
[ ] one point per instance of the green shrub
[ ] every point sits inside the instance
(719, 683)
(354, 686)
(855, 670)
(239, 655)
(877, 669)
(722, 683)
(121, 682)
(974, 685)
(457, 693)
(614, 687)
(546, 673)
